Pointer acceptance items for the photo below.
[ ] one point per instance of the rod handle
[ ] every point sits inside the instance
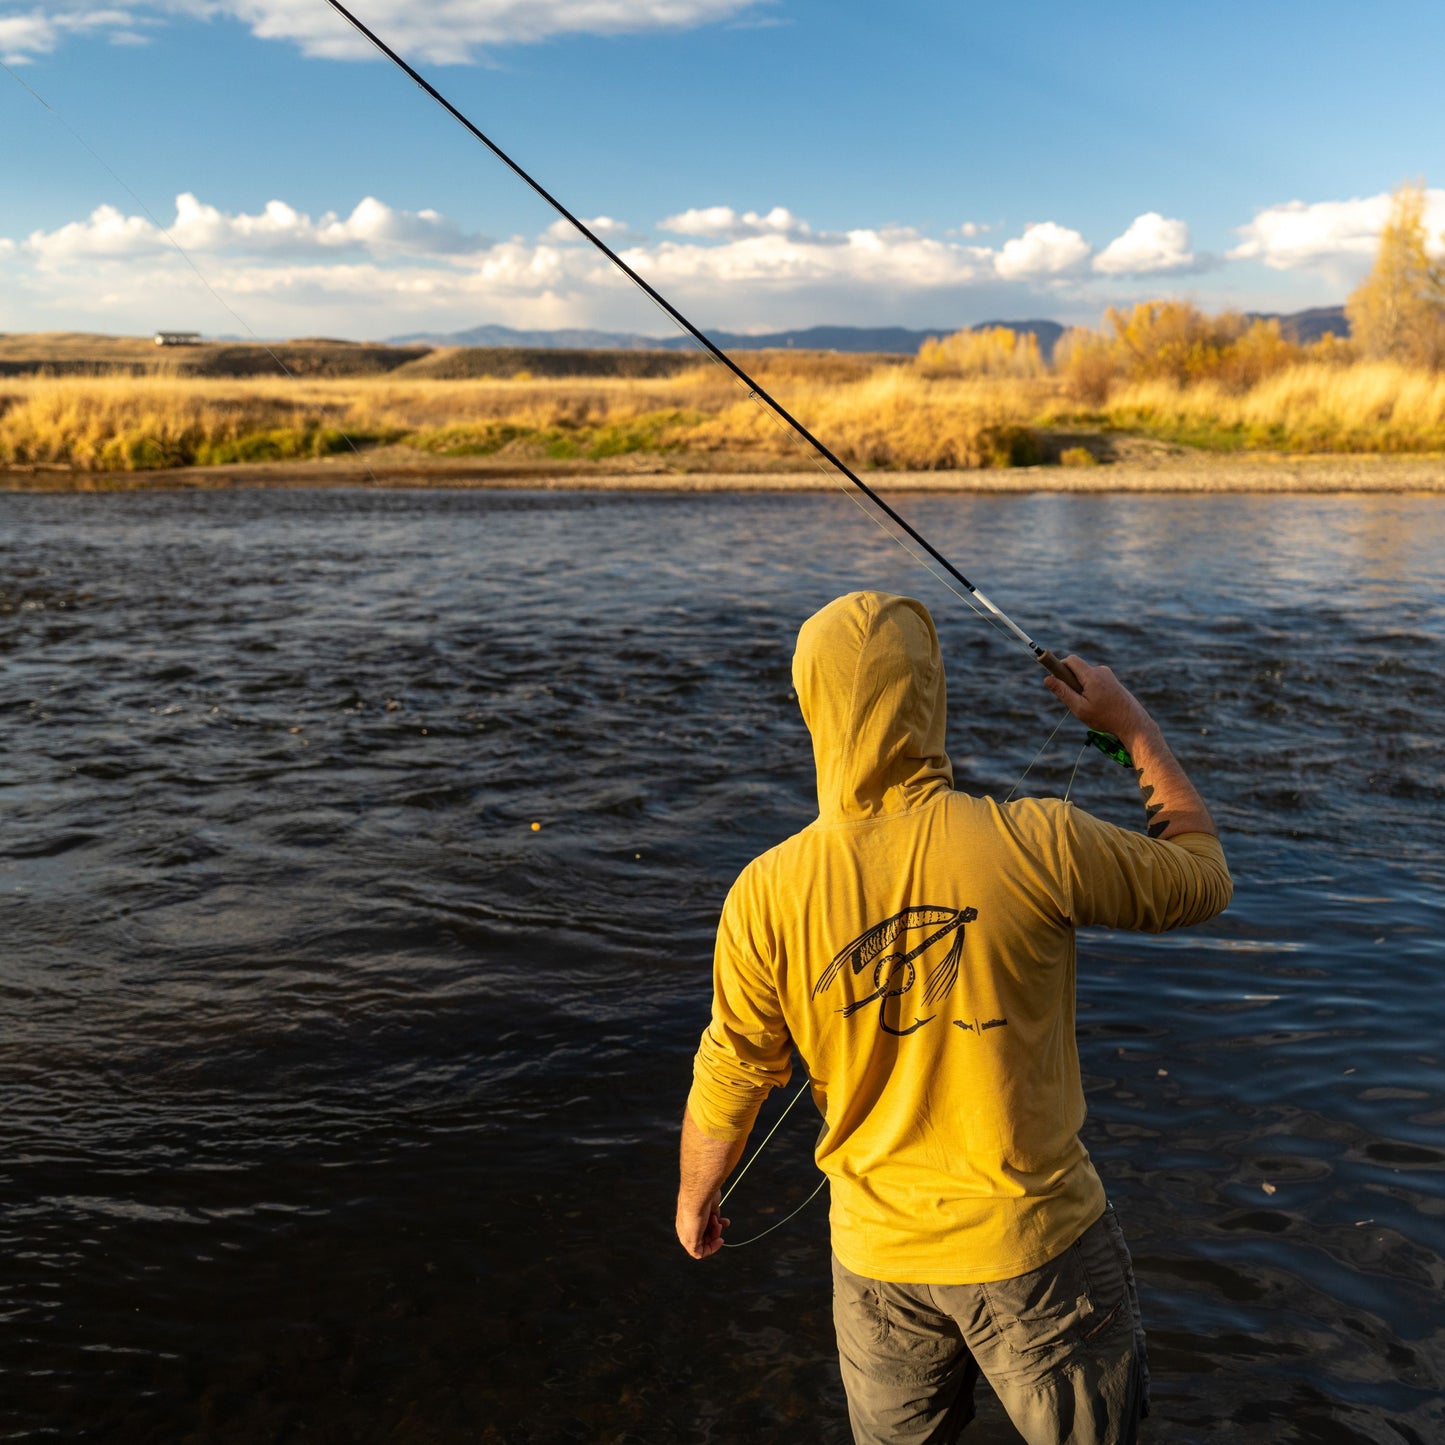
(1060, 670)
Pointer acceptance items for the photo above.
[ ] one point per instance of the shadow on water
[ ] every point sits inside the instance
(360, 859)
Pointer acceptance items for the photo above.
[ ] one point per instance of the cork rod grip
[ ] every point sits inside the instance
(1062, 671)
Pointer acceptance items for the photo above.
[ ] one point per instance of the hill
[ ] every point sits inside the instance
(72, 353)
(1302, 326)
(1307, 326)
(894, 340)
(502, 351)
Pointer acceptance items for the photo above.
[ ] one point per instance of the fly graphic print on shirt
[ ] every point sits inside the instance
(894, 969)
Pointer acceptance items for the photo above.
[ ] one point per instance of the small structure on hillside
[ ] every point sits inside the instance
(178, 338)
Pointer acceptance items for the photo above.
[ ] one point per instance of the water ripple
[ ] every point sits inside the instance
(360, 862)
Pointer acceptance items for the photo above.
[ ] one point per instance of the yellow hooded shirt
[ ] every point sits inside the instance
(916, 946)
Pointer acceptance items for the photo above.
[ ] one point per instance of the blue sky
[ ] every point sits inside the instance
(767, 163)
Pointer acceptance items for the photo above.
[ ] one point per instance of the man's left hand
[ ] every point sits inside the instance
(700, 1225)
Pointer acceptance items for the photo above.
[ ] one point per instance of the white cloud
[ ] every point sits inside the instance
(372, 227)
(605, 227)
(1328, 235)
(377, 227)
(1045, 251)
(41, 29)
(1150, 246)
(381, 271)
(723, 221)
(892, 258)
(974, 228)
(106, 233)
(439, 31)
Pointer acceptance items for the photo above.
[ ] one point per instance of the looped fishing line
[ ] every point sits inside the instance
(738, 1177)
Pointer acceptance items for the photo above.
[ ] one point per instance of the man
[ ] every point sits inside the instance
(916, 946)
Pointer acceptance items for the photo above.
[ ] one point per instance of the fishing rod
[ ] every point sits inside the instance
(1041, 654)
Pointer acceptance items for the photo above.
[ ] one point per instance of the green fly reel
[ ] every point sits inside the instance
(1111, 747)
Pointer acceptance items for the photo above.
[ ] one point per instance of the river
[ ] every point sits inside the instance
(359, 855)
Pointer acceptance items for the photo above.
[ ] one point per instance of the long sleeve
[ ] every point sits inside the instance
(1116, 878)
(746, 1049)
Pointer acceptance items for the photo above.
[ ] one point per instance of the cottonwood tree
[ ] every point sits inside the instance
(1398, 311)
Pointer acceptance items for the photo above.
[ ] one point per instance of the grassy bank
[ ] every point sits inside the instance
(880, 418)
(874, 414)
(1362, 408)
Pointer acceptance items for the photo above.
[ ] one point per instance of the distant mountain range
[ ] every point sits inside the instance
(812, 338)
(1303, 326)
(1307, 326)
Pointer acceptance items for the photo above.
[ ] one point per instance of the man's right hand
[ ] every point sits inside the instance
(1105, 704)
(1171, 803)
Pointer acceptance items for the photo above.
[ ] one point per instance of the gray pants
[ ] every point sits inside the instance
(1062, 1346)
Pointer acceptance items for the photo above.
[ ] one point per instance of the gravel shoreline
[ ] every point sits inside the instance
(1173, 473)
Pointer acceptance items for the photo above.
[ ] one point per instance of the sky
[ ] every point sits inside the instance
(767, 164)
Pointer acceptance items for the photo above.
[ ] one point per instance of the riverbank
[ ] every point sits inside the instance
(1161, 470)
(897, 419)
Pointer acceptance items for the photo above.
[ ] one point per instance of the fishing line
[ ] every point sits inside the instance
(922, 559)
(1041, 654)
(975, 598)
(1046, 744)
(1083, 748)
(753, 1238)
(185, 255)
(738, 1177)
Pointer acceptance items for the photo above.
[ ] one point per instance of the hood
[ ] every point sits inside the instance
(869, 680)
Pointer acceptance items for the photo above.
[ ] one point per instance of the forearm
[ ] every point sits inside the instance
(705, 1164)
(1172, 804)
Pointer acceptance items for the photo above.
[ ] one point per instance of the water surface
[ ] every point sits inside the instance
(340, 1100)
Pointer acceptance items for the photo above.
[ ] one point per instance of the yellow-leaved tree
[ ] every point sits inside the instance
(994, 351)
(1398, 312)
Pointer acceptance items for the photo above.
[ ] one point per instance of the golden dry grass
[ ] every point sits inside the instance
(1365, 407)
(878, 416)
(887, 418)
(127, 423)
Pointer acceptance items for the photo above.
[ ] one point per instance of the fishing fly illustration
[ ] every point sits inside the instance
(894, 973)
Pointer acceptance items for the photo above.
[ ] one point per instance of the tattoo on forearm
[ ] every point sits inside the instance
(1154, 822)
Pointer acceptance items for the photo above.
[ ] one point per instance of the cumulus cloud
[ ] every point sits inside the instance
(723, 221)
(1151, 246)
(1326, 234)
(380, 271)
(1045, 251)
(279, 229)
(605, 228)
(39, 30)
(890, 258)
(440, 31)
